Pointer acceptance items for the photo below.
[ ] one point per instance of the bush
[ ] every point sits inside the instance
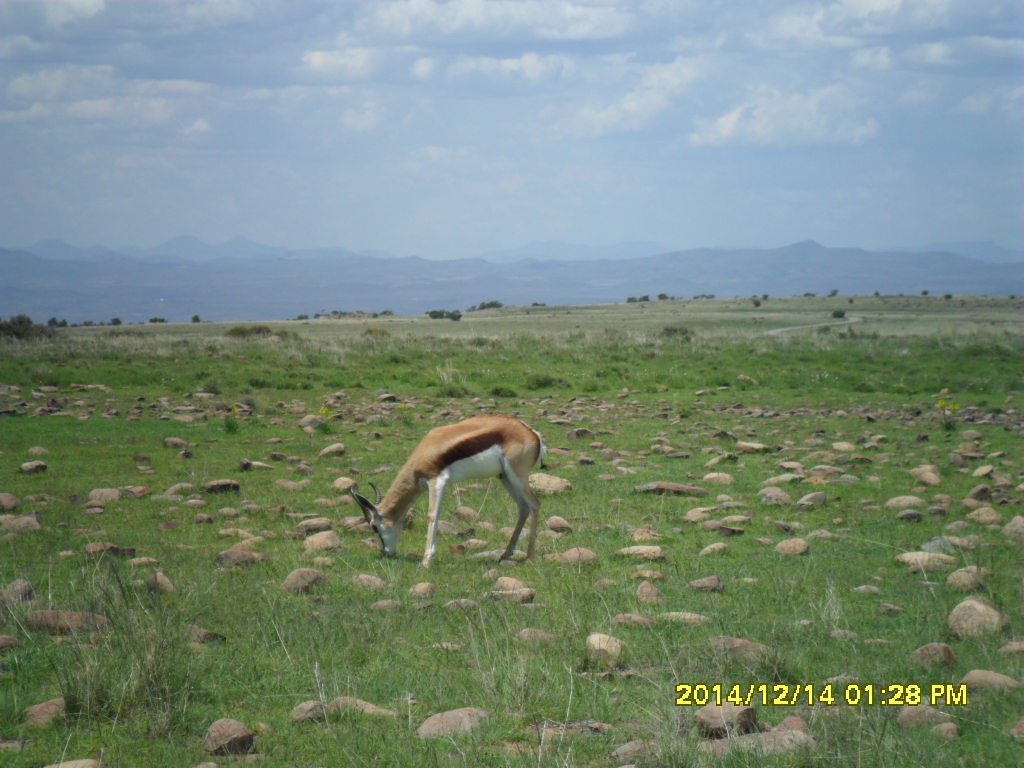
(839, 313)
(503, 392)
(22, 327)
(444, 314)
(248, 331)
(677, 332)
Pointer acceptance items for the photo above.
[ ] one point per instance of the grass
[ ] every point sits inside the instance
(141, 693)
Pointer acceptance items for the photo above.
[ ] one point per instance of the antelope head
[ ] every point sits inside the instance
(387, 531)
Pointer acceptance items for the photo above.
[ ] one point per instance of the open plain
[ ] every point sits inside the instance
(810, 506)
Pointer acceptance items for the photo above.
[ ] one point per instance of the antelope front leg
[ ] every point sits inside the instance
(436, 493)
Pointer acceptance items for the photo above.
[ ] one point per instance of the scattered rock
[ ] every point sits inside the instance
(558, 524)
(967, 579)
(66, 622)
(662, 487)
(452, 722)
(718, 721)
(684, 617)
(973, 617)
(8, 502)
(708, 584)
(18, 591)
(716, 548)
(793, 547)
(303, 580)
(319, 542)
(544, 483)
(538, 636)
(644, 552)
(370, 581)
(422, 591)
(158, 582)
(811, 500)
(335, 449)
(41, 715)
(241, 554)
(604, 649)
(921, 714)
(648, 593)
(987, 679)
(572, 556)
(774, 496)
(33, 467)
(738, 648)
(228, 737)
(222, 486)
(934, 653)
(927, 561)
(905, 502)
(19, 523)
(769, 742)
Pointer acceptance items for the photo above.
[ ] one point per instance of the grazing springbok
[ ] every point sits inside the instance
(482, 446)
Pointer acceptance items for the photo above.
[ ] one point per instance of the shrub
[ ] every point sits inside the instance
(839, 313)
(503, 392)
(22, 327)
(249, 331)
(677, 332)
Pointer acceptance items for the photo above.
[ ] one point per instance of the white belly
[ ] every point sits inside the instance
(484, 464)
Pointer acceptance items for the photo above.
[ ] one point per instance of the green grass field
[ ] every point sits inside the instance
(669, 391)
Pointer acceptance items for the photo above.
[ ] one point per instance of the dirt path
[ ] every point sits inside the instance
(847, 321)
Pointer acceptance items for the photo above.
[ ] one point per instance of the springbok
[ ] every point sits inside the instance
(479, 447)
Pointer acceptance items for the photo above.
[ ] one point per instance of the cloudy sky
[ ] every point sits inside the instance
(446, 128)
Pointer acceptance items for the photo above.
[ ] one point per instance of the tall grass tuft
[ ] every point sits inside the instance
(139, 669)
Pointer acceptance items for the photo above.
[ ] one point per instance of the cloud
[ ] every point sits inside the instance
(18, 45)
(875, 59)
(362, 120)
(823, 116)
(51, 84)
(530, 66)
(354, 63)
(931, 54)
(655, 91)
(423, 68)
(61, 12)
(546, 19)
(197, 128)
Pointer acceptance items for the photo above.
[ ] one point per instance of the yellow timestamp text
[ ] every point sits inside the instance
(828, 694)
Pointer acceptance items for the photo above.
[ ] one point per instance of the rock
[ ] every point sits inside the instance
(921, 714)
(987, 679)
(708, 584)
(33, 467)
(974, 617)
(452, 722)
(309, 711)
(774, 496)
(1017, 732)
(197, 634)
(228, 737)
(718, 478)
(684, 617)
(87, 762)
(926, 474)
(343, 484)
(559, 524)
(461, 604)
(519, 595)
(604, 649)
(222, 486)
(335, 449)
(714, 549)
(811, 500)
(422, 591)
(985, 516)
(644, 552)
(19, 523)
(319, 542)
(1014, 646)
(738, 648)
(382, 606)
(905, 502)
(534, 636)
(931, 654)
(240, 554)
(100, 497)
(718, 721)
(967, 579)
(632, 751)
(303, 580)
(648, 593)
(99, 548)
(1014, 529)
(41, 715)
(793, 547)
(927, 561)
(572, 556)
(18, 591)
(66, 622)
(8, 641)
(352, 704)
(769, 742)
(743, 446)
(8, 502)
(662, 488)
(544, 483)
(632, 620)
(945, 731)
(313, 525)
(175, 442)
(158, 582)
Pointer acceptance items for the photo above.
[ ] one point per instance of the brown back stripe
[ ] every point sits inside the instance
(464, 449)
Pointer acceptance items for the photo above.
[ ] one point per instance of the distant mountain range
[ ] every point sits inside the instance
(242, 280)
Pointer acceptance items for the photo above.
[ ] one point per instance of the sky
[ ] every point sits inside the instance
(449, 128)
